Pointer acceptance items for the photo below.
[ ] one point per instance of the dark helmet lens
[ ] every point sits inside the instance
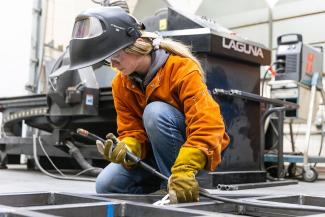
(87, 28)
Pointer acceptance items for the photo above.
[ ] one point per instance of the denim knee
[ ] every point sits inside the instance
(108, 180)
(165, 127)
(102, 185)
(157, 113)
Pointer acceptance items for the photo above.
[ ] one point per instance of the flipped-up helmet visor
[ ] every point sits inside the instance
(100, 32)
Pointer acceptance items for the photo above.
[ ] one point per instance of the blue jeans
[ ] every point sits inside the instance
(165, 127)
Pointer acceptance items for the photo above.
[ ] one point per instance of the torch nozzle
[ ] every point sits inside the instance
(82, 132)
(89, 135)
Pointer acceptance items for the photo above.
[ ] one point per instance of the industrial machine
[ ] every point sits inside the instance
(82, 99)
(298, 80)
(296, 60)
(295, 64)
(229, 62)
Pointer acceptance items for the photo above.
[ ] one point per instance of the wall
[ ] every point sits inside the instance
(60, 17)
(15, 46)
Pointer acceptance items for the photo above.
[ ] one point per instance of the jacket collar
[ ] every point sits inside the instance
(158, 59)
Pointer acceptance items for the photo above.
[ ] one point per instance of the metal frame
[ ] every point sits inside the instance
(280, 108)
(309, 173)
(45, 204)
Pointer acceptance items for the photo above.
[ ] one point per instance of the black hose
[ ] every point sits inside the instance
(50, 174)
(76, 154)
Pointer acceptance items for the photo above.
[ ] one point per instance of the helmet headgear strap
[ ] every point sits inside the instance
(156, 42)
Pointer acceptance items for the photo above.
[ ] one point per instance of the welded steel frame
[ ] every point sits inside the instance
(46, 204)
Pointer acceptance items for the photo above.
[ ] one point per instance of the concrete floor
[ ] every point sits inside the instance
(18, 179)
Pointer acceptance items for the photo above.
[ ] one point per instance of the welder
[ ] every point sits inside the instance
(165, 114)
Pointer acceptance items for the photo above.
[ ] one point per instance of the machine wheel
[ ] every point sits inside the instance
(292, 170)
(311, 175)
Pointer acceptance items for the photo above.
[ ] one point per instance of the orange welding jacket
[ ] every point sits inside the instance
(179, 83)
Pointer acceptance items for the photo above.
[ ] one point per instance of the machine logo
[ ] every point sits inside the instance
(242, 47)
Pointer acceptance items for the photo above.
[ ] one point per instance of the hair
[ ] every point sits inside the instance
(144, 47)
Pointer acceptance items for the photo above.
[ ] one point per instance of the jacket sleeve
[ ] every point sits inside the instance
(129, 123)
(205, 126)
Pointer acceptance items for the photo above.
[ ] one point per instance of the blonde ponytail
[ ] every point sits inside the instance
(180, 49)
(144, 47)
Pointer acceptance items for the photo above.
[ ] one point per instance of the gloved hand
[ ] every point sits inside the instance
(182, 185)
(118, 153)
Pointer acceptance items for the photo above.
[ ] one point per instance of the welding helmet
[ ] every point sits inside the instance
(98, 33)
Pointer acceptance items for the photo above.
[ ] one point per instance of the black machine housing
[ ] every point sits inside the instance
(229, 62)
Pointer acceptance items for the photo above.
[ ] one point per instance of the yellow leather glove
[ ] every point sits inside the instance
(118, 153)
(182, 185)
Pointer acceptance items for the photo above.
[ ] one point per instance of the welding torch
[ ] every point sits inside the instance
(129, 155)
(202, 192)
